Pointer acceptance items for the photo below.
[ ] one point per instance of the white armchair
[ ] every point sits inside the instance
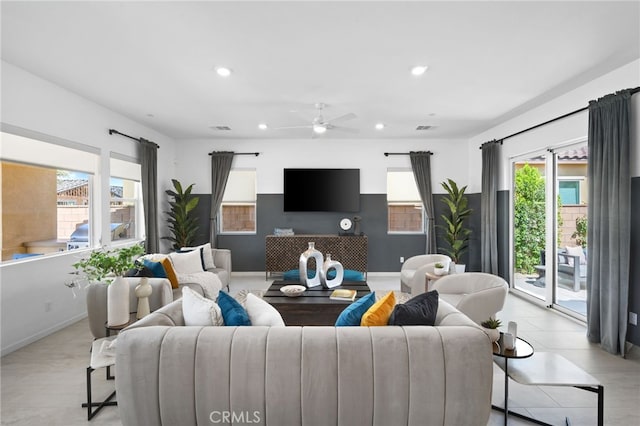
(475, 294)
(412, 274)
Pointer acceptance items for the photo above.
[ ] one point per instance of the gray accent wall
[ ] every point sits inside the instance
(633, 331)
(385, 250)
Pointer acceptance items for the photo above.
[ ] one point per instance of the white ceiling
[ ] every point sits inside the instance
(487, 61)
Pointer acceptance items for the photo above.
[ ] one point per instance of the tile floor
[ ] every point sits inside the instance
(44, 383)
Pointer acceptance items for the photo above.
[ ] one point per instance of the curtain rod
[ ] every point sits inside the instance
(632, 91)
(242, 153)
(112, 131)
(386, 154)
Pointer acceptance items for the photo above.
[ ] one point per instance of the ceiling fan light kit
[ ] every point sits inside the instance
(320, 126)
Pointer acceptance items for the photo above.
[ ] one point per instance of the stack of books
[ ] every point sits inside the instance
(343, 294)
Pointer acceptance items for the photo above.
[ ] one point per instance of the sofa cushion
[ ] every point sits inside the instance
(232, 311)
(261, 312)
(186, 263)
(198, 310)
(206, 256)
(352, 315)
(171, 273)
(156, 268)
(379, 313)
(420, 310)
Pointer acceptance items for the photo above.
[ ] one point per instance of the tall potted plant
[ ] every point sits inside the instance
(182, 223)
(109, 267)
(455, 234)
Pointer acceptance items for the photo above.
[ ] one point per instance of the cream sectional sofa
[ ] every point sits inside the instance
(168, 374)
(162, 293)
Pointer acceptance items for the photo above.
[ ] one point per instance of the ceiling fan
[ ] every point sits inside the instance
(320, 125)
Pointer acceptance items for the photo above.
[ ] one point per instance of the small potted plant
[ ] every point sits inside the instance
(491, 328)
(439, 269)
(108, 267)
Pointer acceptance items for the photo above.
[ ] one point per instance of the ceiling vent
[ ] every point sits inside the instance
(220, 128)
(423, 127)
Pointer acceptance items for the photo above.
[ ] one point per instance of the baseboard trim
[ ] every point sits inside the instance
(41, 334)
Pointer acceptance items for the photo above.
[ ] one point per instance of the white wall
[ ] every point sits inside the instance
(193, 165)
(559, 132)
(28, 288)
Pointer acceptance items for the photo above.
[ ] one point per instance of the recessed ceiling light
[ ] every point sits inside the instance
(223, 71)
(262, 126)
(379, 126)
(419, 70)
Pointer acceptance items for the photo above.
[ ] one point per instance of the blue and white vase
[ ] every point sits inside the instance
(311, 252)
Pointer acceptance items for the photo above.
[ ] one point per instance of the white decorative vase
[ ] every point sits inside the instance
(332, 264)
(311, 252)
(118, 302)
(143, 291)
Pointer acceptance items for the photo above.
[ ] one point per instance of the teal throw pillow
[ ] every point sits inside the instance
(156, 268)
(349, 275)
(232, 312)
(354, 312)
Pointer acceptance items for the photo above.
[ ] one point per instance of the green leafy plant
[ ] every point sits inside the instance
(581, 231)
(439, 265)
(456, 236)
(182, 222)
(105, 265)
(491, 323)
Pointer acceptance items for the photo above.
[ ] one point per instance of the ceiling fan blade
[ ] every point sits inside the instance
(345, 117)
(344, 129)
(292, 127)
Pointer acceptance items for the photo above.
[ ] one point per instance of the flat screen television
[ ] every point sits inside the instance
(321, 190)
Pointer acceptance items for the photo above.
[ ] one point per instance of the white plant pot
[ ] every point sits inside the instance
(118, 302)
(440, 271)
(493, 333)
(460, 268)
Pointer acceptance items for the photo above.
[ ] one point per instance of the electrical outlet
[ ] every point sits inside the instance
(633, 318)
(401, 259)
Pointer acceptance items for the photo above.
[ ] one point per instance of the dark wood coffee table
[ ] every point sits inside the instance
(313, 307)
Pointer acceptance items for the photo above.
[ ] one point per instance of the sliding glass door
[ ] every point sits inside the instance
(549, 208)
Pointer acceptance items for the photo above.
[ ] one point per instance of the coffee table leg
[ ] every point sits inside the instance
(506, 390)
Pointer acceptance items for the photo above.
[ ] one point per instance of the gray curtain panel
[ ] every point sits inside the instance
(148, 155)
(609, 230)
(488, 207)
(220, 169)
(421, 166)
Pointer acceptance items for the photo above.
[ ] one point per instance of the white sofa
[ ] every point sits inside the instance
(414, 375)
(162, 293)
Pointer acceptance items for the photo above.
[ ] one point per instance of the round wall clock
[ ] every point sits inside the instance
(345, 224)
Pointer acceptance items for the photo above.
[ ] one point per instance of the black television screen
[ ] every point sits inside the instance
(321, 190)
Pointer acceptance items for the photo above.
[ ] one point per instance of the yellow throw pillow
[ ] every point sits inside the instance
(380, 312)
(171, 273)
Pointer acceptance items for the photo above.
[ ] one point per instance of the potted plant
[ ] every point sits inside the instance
(182, 223)
(109, 267)
(491, 328)
(456, 236)
(439, 269)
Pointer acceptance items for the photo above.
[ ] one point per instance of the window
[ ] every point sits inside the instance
(125, 195)
(50, 193)
(569, 191)
(238, 209)
(405, 210)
